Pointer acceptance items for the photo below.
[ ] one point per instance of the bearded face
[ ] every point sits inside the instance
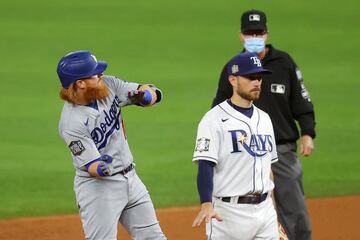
(248, 89)
(95, 91)
(251, 95)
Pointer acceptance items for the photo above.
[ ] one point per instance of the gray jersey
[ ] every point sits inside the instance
(90, 133)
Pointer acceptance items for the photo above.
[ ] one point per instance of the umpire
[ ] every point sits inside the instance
(285, 98)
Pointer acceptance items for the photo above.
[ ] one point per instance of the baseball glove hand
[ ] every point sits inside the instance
(282, 233)
(136, 96)
(145, 95)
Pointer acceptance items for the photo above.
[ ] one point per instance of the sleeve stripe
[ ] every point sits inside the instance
(274, 160)
(205, 158)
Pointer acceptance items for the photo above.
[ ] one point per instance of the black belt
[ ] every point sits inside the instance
(250, 199)
(125, 170)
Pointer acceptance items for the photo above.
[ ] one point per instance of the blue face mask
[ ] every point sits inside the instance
(254, 44)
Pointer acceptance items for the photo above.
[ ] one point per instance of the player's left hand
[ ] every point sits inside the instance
(306, 145)
(136, 96)
(105, 168)
(206, 213)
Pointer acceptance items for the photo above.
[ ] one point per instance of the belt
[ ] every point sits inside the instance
(249, 199)
(125, 170)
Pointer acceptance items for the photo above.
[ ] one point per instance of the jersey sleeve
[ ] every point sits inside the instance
(81, 146)
(274, 155)
(207, 141)
(301, 105)
(121, 87)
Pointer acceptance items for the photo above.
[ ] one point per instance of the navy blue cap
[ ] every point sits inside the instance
(246, 63)
(77, 65)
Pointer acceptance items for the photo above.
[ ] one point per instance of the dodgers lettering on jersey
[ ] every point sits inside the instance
(101, 134)
(90, 133)
(243, 149)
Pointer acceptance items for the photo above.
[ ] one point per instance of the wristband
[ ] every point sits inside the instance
(147, 98)
(99, 170)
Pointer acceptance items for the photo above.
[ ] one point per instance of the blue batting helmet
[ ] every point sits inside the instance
(77, 65)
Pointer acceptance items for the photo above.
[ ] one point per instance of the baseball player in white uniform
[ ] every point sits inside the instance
(235, 148)
(107, 188)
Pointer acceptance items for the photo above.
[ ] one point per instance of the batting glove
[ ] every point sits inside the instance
(103, 169)
(140, 97)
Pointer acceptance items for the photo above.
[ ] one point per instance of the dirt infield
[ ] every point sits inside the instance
(332, 218)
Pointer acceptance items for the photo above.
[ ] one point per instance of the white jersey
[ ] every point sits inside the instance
(90, 133)
(243, 149)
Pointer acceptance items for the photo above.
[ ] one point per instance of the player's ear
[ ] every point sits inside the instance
(80, 84)
(242, 37)
(265, 36)
(232, 80)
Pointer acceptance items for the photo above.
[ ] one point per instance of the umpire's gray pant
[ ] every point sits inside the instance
(289, 193)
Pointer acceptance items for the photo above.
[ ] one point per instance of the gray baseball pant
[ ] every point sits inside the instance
(289, 193)
(104, 202)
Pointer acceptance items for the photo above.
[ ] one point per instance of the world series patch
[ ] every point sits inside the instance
(202, 144)
(76, 147)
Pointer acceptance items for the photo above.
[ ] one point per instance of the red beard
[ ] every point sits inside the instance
(99, 92)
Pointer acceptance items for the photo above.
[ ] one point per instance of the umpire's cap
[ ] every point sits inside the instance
(253, 20)
(77, 65)
(246, 63)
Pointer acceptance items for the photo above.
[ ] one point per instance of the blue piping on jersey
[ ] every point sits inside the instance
(105, 158)
(88, 164)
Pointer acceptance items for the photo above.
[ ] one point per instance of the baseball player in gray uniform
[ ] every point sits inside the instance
(235, 148)
(107, 188)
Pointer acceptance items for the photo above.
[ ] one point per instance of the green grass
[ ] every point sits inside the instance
(180, 46)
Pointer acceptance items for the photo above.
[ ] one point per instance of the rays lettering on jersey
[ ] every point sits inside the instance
(102, 133)
(258, 146)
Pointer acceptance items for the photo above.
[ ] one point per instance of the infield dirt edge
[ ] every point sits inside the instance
(332, 218)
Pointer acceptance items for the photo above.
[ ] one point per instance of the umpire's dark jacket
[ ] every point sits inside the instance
(283, 96)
